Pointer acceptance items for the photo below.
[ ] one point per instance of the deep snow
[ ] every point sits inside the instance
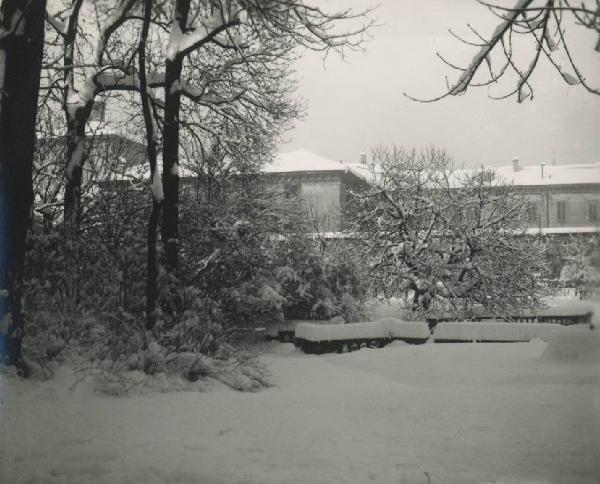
(452, 413)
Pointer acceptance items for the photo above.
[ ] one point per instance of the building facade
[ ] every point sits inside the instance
(321, 185)
(560, 198)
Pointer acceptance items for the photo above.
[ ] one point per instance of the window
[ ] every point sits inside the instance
(532, 213)
(291, 190)
(561, 211)
(592, 211)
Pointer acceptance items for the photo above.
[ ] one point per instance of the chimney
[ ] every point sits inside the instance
(363, 158)
(515, 163)
(542, 164)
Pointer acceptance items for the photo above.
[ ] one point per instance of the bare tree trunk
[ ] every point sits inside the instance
(76, 118)
(76, 156)
(22, 40)
(170, 175)
(152, 278)
(157, 196)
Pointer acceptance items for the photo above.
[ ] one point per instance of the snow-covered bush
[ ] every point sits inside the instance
(71, 287)
(320, 285)
(245, 262)
(251, 252)
(579, 273)
(156, 368)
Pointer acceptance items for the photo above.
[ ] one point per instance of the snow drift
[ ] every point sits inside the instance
(578, 344)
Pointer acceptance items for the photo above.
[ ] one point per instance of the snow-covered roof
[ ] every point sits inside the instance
(531, 175)
(563, 230)
(301, 160)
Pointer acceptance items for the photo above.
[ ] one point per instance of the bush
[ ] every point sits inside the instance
(245, 262)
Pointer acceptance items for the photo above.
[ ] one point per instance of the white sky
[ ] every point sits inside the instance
(357, 103)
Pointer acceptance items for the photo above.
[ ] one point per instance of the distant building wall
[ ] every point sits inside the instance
(563, 206)
(322, 195)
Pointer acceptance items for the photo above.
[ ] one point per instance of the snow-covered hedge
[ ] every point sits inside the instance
(493, 331)
(387, 328)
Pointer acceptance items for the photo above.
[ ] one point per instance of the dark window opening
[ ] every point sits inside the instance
(592, 212)
(561, 211)
(532, 212)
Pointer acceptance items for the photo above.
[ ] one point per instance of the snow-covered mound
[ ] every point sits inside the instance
(493, 331)
(387, 328)
(576, 343)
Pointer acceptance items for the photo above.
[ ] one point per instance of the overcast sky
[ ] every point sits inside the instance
(357, 103)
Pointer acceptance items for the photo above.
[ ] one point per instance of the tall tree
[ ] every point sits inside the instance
(21, 44)
(86, 73)
(223, 75)
(156, 187)
(450, 238)
(243, 28)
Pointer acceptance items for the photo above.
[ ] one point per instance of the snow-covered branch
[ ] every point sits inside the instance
(543, 22)
(57, 24)
(181, 44)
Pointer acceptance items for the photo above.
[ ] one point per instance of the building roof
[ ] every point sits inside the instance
(553, 174)
(563, 230)
(301, 161)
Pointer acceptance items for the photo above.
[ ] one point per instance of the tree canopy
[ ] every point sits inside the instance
(452, 239)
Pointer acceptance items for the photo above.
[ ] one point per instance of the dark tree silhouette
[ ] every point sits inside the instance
(21, 43)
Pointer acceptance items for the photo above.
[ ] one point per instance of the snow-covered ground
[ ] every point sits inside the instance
(434, 413)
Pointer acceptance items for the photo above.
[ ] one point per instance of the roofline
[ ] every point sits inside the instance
(550, 185)
(562, 230)
(299, 172)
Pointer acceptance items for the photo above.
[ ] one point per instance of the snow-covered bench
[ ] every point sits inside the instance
(327, 338)
(574, 312)
(283, 331)
(488, 331)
